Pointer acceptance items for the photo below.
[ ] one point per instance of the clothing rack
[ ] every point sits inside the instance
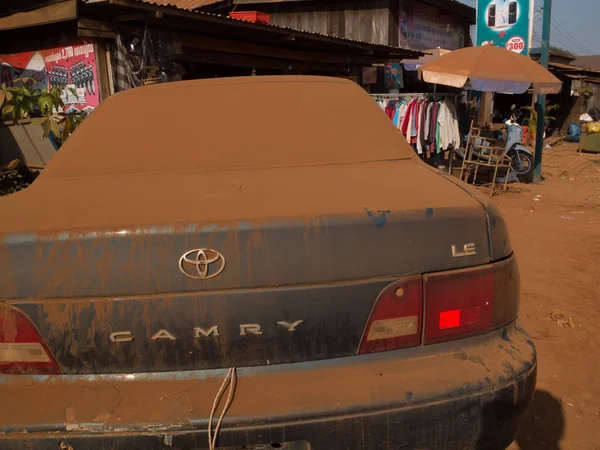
(421, 96)
(412, 95)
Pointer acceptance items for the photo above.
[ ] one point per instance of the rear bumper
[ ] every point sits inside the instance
(468, 394)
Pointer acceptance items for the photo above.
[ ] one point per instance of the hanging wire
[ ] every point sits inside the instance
(231, 381)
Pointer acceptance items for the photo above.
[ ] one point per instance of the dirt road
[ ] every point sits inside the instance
(555, 229)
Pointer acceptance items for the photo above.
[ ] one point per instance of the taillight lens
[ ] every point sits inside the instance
(396, 318)
(464, 303)
(21, 347)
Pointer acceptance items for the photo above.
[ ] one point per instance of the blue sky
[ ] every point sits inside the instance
(575, 24)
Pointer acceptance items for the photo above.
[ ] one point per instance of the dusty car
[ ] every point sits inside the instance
(260, 262)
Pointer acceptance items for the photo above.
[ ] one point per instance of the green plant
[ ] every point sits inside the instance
(584, 92)
(21, 102)
(562, 52)
(152, 72)
(532, 120)
(18, 102)
(60, 124)
(5, 96)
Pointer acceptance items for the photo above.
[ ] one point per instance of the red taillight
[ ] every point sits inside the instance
(21, 347)
(467, 302)
(448, 305)
(396, 318)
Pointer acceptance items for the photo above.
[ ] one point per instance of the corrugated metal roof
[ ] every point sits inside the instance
(184, 4)
(589, 62)
(571, 68)
(563, 66)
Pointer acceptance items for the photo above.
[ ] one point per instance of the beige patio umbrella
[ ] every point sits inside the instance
(414, 64)
(490, 69)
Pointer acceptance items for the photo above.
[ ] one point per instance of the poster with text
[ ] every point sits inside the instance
(393, 76)
(369, 75)
(73, 68)
(424, 27)
(505, 23)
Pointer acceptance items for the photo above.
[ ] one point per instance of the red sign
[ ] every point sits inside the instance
(516, 44)
(70, 67)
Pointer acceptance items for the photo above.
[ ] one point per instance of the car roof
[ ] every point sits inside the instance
(229, 123)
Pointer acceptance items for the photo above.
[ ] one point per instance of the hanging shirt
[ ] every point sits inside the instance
(413, 122)
(433, 127)
(448, 126)
(454, 125)
(420, 126)
(406, 125)
(424, 108)
(397, 114)
(390, 110)
(428, 121)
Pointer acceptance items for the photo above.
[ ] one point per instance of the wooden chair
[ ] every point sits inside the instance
(481, 152)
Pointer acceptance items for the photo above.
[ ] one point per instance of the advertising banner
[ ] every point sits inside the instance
(73, 66)
(393, 76)
(505, 23)
(369, 75)
(423, 27)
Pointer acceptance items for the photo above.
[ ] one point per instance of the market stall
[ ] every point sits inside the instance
(429, 122)
(496, 70)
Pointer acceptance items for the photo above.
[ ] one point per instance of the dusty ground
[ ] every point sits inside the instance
(555, 228)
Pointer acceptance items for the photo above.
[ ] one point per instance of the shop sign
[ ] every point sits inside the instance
(393, 76)
(505, 23)
(71, 67)
(369, 75)
(424, 27)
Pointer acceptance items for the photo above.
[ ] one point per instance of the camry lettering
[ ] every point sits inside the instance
(246, 329)
(252, 328)
(121, 336)
(467, 250)
(163, 334)
(201, 332)
(291, 327)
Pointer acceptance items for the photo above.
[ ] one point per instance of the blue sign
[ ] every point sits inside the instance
(505, 23)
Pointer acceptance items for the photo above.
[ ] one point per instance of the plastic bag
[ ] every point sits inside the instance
(594, 113)
(574, 132)
(591, 127)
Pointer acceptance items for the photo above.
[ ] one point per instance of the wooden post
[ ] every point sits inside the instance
(104, 77)
(484, 117)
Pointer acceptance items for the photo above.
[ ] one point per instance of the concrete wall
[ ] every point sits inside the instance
(25, 142)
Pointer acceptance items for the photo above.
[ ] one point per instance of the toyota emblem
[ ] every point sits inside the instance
(202, 263)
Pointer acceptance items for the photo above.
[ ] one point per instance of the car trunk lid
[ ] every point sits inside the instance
(306, 250)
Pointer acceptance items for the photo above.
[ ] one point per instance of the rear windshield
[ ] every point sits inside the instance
(230, 124)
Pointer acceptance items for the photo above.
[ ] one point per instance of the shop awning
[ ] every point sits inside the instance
(36, 13)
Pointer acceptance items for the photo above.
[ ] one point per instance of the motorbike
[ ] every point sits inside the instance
(521, 157)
